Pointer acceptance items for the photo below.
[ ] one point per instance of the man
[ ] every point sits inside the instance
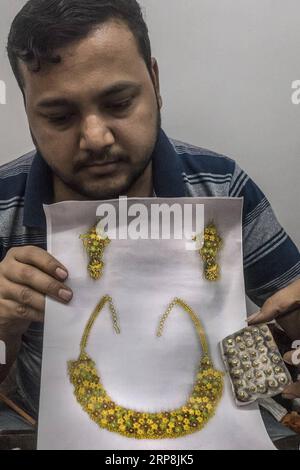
(92, 98)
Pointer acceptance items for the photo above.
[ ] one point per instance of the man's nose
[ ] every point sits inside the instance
(95, 134)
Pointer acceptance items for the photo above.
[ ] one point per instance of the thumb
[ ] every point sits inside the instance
(292, 391)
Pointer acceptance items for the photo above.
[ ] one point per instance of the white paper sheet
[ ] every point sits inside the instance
(138, 369)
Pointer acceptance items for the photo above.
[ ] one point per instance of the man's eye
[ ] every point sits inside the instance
(62, 119)
(120, 105)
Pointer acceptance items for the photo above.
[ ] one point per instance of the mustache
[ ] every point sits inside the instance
(98, 159)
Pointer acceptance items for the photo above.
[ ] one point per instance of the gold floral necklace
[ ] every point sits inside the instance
(187, 419)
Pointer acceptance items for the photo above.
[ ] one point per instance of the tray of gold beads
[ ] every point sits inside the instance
(254, 363)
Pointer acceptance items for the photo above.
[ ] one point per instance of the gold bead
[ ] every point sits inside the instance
(237, 373)
(231, 352)
(283, 380)
(245, 357)
(259, 339)
(247, 335)
(234, 362)
(273, 383)
(238, 383)
(242, 395)
(264, 329)
(275, 358)
(261, 388)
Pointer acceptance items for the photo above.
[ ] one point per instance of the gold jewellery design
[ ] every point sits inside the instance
(212, 244)
(187, 419)
(95, 243)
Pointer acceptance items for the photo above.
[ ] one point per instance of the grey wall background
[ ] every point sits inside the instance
(226, 72)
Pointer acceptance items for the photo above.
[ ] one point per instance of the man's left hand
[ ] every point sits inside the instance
(284, 306)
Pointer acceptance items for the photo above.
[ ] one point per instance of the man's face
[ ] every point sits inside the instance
(95, 116)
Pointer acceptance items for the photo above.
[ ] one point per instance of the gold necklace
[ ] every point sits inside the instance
(187, 419)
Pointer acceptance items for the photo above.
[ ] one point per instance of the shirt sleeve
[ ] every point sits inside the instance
(271, 259)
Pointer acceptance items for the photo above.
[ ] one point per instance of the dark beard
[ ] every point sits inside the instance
(110, 193)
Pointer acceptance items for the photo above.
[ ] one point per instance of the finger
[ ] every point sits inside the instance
(292, 357)
(254, 318)
(10, 310)
(282, 302)
(39, 281)
(41, 259)
(23, 295)
(290, 323)
(292, 391)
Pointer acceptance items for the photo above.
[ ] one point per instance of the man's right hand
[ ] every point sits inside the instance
(27, 275)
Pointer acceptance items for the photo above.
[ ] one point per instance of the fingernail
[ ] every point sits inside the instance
(288, 359)
(253, 317)
(65, 295)
(61, 273)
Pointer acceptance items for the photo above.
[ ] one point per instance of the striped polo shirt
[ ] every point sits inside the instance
(271, 259)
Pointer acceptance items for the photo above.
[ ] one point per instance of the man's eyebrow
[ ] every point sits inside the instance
(106, 93)
(119, 87)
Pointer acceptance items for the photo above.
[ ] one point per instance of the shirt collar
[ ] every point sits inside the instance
(167, 181)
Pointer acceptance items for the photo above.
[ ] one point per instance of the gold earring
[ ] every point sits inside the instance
(95, 242)
(212, 244)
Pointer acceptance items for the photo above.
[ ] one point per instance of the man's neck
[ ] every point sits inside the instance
(143, 188)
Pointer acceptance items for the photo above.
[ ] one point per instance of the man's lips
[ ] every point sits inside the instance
(109, 161)
(103, 167)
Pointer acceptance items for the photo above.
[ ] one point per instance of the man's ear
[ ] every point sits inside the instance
(155, 80)
(24, 100)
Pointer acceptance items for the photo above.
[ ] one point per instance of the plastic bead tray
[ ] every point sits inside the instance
(254, 363)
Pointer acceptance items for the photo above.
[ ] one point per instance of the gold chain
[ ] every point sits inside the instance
(177, 301)
(195, 319)
(106, 299)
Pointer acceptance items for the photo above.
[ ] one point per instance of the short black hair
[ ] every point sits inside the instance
(42, 26)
